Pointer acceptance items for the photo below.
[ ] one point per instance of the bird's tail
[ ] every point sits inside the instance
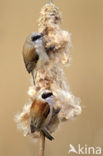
(46, 134)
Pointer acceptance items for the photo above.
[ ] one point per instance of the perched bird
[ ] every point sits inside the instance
(41, 113)
(34, 53)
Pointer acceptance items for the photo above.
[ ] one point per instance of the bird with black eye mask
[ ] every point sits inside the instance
(41, 113)
(34, 53)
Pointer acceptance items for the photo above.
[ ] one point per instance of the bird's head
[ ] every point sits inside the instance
(34, 37)
(47, 96)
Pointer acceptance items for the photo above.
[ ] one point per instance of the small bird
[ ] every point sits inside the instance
(34, 53)
(41, 113)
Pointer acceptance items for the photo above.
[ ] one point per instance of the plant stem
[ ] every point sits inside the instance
(42, 144)
(51, 1)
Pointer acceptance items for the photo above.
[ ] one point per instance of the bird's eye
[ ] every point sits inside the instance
(46, 95)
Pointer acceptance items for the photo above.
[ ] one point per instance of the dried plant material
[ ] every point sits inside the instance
(50, 76)
(57, 41)
(42, 145)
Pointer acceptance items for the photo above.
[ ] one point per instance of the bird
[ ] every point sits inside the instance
(34, 53)
(41, 112)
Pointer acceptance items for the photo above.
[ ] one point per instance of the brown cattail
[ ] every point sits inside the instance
(50, 78)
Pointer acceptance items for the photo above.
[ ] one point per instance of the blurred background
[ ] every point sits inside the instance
(84, 20)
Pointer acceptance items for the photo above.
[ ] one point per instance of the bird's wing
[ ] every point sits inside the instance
(45, 113)
(39, 113)
(30, 58)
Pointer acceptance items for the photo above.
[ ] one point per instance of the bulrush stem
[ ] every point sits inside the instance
(51, 1)
(42, 144)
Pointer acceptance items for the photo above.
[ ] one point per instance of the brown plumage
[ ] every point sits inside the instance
(29, 51)
(40, 115)
(30, 54)
(30, 58)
